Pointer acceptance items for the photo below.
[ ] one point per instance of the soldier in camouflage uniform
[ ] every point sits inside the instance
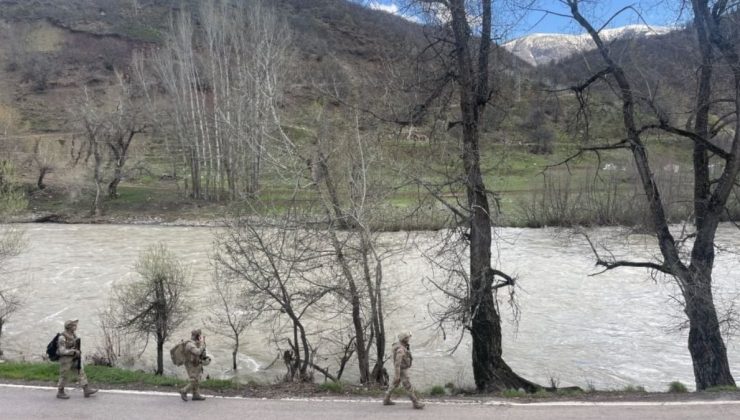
(195, 348)
(402, 360)
(68, 355)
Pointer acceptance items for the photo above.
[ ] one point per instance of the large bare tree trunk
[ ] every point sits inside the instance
(707, 349)
(235, 352)
(490, 371)
(2, 323)
(160, 357)
(378, 374)
(706, 346)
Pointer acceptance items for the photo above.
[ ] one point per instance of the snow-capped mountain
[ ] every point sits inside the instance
(539, 49)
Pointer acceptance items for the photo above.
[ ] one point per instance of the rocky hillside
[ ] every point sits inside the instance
(50, 49)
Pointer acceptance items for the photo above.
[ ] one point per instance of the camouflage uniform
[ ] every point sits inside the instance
(195, 348)
(67, 360)
(402, 360)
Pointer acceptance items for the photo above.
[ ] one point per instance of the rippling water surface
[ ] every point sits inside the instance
(615, 329)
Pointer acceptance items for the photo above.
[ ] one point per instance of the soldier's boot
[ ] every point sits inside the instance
(387, 399)
(184, 393)
(196, 393)
(61, 394)
(415, 401)
(87, 391)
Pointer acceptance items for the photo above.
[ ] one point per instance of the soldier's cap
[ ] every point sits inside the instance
(68, 323)
(195, 333)
(404, 336)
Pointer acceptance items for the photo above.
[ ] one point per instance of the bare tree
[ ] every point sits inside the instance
(128, 122)
(463, 53)
(716, 27)
(156, 305)
(230, 310)
(224, 96)
(109, 130)
(345, 171)
(12, 243)
(277, 263)
(10, 302)
(45, 158)
(117, 346)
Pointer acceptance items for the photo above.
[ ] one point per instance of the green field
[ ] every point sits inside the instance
(529, 189)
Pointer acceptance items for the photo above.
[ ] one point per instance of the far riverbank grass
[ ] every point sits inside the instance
(107, 377)
(573, 195)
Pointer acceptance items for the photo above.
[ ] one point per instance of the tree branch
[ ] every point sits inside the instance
(622, 144)
(610, 265)
(690, 135)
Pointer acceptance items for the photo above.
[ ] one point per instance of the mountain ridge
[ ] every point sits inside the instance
(544, 48)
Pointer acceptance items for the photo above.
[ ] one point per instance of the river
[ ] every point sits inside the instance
(607, 331)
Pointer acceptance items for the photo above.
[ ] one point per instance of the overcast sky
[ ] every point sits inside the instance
(520, 23)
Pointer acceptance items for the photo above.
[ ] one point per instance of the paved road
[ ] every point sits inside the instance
(39, 403)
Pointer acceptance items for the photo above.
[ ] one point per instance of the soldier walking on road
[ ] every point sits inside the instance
(195, 359)
(70, 360)
(402, 360)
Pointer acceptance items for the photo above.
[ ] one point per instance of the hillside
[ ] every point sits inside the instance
(51, 46)
(662, 65)
(356, 62)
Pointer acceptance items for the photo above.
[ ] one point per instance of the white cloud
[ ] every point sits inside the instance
(389, 8)
(393, 9)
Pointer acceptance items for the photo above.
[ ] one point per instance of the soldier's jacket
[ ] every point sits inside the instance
(66, 345)
(195, 352)
(402, 358)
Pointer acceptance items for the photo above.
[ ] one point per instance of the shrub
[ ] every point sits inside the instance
(606, 198)
(513, 393)
(677, 387)
(542, 393)
(437, 390)
(568, 392)
(335, 387)
(634, 388)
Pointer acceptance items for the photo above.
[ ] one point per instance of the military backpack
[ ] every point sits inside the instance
(52, 349)
(178, 353)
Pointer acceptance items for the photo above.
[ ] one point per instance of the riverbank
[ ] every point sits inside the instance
(146, 205)
(45, 374)
(165, 206)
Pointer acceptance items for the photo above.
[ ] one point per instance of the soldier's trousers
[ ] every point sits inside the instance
(193, 385)
(66, 370)
(406, 382)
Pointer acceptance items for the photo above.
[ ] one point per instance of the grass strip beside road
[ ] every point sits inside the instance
(49, 372)
(116, 378)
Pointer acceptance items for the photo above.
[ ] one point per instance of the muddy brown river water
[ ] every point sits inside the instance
(615, 329)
